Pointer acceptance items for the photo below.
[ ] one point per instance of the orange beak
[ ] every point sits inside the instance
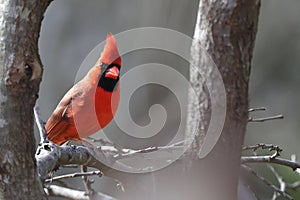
(112, 73)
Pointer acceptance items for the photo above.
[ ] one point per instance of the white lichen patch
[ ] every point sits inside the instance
(3, 98)
(3, 123)
(24, 13)
(6, 12)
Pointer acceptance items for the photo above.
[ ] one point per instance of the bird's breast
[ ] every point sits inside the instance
(106, 104)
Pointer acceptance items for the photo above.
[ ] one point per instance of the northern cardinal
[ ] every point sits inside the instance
(91, 103)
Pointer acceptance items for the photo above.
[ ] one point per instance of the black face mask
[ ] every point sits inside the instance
(108, 84)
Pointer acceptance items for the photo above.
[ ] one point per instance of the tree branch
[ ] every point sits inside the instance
(268, 159)
(130, 152)
(294, 185)
(276, 160)
(74, 175)
(255, 147)
(87, 183)
(271, 147)
(280, 180)
(58, 191)
(40, 124)
(263, 119)
(50, 156)
(268, 183)
(257, 109)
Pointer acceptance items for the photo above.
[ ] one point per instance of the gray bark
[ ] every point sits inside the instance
(226, 30)
(20, 73)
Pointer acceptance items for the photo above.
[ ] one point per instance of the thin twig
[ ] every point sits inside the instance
(278, 177)
(294, 185)
(87, 183)
(40, 124)
(270, 147)
(267, 182)
(71, 166)
(294, 159)
(73, 175)
(101, 141)
(130, 152)
(257, 109)
(58, 191)
(263, 119)
(279, 180)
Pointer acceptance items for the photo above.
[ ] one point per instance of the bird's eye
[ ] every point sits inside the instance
(103, 65)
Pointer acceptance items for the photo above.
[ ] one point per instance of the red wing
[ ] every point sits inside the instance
(61, 119)
(57, 123)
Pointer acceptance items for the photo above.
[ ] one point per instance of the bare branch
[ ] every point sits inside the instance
(87, 183)
(71, 166)
(271, 147)
(100, 141)
(50, 156)
(58, 191)
(267, 182)
(257, 109)
(263, 119)
(74, 175)
(279, 180)
(40, 124)
(294, 185)
(130, 152)
(269, 159)
(273, 159)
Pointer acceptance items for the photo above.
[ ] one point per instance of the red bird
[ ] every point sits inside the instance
(91, 103)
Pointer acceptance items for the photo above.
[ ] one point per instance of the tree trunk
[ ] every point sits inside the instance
(226, 30)
(20, 72)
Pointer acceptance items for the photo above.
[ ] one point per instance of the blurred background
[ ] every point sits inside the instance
(71, 29)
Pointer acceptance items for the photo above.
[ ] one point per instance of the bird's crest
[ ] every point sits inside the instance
(110, 53)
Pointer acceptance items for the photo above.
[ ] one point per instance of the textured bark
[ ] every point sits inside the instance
(226, 30)
(20, 73)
